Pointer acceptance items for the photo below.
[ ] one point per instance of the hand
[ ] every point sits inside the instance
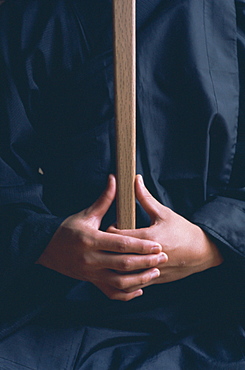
(188, 248)
(80, 250)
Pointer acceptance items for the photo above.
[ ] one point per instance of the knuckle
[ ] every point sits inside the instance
(144, 279)
(151, 262)
(143, 248)
(120, 283)
(86, 260)
(126, 264)
(123, 246)
(86, 241)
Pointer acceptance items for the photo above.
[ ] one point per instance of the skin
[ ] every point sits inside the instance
(122, 262)
(188, 248)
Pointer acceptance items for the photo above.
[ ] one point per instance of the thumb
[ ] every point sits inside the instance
(98, 209)
(148, 202)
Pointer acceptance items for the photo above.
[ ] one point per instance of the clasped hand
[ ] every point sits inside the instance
(122, 262)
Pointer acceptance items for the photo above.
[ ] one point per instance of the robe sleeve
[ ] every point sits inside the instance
(27, 225)
(224, 216)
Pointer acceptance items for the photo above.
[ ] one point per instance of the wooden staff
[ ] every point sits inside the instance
(124, 62)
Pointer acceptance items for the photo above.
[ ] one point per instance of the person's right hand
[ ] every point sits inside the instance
(114, 263)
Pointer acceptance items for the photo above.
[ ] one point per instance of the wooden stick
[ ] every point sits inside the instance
(124, 62)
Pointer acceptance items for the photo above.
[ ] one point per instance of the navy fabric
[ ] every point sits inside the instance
(100, 334)
(57, 114)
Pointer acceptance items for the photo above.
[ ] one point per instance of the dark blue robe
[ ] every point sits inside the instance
(57, 115)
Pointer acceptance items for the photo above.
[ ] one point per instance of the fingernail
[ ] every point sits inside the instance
(155, 274)
(141, 180)
(111, 177)
(163, 257)
(138, 293)
(156, 249)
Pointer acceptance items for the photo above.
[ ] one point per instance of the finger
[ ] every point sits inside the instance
(117, 294)
(132, 282)
(129, 262)
(142, 233)
(124, 244)
(103, 203)
(148, 202)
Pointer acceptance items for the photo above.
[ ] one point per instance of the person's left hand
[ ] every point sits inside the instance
(188, 248)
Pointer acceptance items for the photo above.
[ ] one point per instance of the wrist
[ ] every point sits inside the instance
(211, 255)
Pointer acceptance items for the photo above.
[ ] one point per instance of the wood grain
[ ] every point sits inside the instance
(125, 111)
